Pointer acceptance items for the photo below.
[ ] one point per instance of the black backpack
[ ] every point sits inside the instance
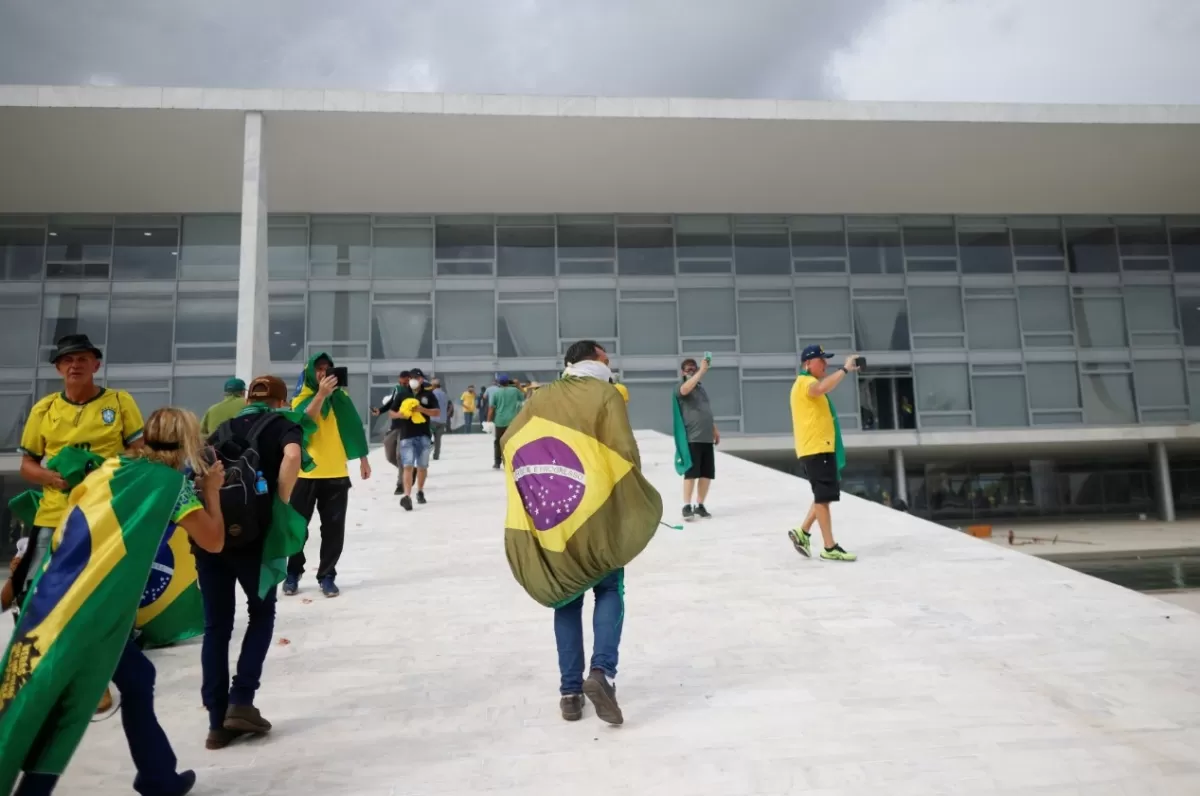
(241, 505)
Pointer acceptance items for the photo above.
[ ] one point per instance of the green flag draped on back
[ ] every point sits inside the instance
(349, 423)
(79, 614)
(839, 450)
(683, 454)
(578, 505)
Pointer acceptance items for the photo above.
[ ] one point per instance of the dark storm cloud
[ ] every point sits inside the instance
(710, 48)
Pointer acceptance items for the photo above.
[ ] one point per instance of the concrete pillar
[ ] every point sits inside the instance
(899, 481)
(1162, 481)
(253, 327)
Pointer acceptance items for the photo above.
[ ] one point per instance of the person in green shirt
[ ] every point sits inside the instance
(504, 403)
(225, 409)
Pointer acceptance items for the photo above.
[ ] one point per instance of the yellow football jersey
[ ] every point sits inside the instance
(105, 425)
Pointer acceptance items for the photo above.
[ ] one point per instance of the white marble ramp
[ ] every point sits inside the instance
(937, 664)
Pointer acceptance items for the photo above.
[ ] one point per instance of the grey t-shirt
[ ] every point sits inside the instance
(697, 414)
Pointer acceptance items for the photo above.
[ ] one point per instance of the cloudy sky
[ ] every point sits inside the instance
(1121, 51)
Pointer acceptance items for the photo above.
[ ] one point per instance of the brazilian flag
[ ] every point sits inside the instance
(578, 505)
(171, 609)
(79, 614)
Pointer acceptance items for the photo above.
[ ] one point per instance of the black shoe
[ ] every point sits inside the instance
(687, 513)
(571, 706)
(702, 512)
(184, 785)
(603, 697)
(421, 498)
(406, 503)
(495, 466)
(399, 490)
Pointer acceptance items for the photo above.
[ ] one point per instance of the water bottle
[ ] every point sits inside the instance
(260, 484)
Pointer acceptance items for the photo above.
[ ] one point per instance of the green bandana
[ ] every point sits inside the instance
(306, 423)
(349, 422)
(839, 449)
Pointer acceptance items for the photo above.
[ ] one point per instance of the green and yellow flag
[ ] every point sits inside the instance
(80, 611)
(578, 505)
(171, 609)
(349, 422)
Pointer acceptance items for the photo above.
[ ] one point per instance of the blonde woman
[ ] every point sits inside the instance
(77, 621)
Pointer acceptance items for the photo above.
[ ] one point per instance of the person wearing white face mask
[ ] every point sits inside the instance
(413, 411)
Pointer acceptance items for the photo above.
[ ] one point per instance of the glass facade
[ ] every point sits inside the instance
(984, 322)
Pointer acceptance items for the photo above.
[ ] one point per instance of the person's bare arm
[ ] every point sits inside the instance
(289, 471)
(832, 380)
(689, 385)
(33, 472)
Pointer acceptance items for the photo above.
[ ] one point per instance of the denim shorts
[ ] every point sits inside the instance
(414, 452)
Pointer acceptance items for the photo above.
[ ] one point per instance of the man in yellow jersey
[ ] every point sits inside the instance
(84, 415)
(468, 407)
(819, 446)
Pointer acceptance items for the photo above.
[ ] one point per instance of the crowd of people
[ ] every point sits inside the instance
(243, 485)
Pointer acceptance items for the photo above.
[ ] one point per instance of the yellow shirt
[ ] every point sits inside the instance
(325, 447)
(105, 425)
(467, 400)
(621, 388)
(812, 421)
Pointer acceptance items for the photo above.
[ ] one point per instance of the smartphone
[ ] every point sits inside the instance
(862, 361)
(342, 375)
(708, 356)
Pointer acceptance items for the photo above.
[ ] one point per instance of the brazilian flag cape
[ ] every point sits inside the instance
(78, 616)
(578, 505)
(349, 422)
(839, 450)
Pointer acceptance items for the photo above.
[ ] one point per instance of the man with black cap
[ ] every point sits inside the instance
(225, 409)
(83, 415)
(412, 414)
(818, 441)
(391, 441)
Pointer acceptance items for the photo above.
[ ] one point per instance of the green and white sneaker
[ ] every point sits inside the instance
(836, 553)
(802, 541)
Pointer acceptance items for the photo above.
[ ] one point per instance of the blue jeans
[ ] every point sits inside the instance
(468, 419)
(219, 577)
(607, 620)
(414, 452)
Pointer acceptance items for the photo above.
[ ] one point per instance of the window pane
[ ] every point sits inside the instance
(1038, 243)
(21, 313)
(935, 310)
(403, 253)
(465, 315)
(648, 328)
(141, 329)
(875, 253)
(762, 253)
(1147, 239)
(211, 247)
(287, 252)
(287, 330)
(149, 253)
(1092, 251)
(208, 318)
(1194, 394)
(1053, 385)
(75, 314)
(591, 241)
(707, 311)
(929, 242)
(197, 393)
(148, 394)
(1045, 309)
(465, 241)
(21, 252)
(338, 317)
(703, 237)
(985, 252)
(650, 405)
(942, 388)
(587, 314)
(992, 324)
(1189, 316)
(881, 325)
(766, 327)
(1185, 249)
(525, 251)
(766, 407)
(334, 240)
(819, 245)
(402, 331)
(528, 330)
(1100, 322)
(724, 391)
(845, 400)
(87, 242)
(1108, 398)
(1000, 402)
(1160, 383)
(822, 312)
(645, 251)
(14, 411)
(1150, 308)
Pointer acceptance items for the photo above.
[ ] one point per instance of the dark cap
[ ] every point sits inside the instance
(267, 388)
(415, 373)
(814, 352)
(235, 387)
(73, 344)
(502, 378)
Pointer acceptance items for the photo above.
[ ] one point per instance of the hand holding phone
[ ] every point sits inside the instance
(342, 375)
(708, 357)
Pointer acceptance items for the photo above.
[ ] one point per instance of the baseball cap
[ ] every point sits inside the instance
(267, 388)
(235, 386)
(814, 352)
(502, 378)
(416, 373)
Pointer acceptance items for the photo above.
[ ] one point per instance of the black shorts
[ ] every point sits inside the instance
(822, 473)
(704, 461)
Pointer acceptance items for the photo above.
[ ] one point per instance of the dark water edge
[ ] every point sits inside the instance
(1142, 573)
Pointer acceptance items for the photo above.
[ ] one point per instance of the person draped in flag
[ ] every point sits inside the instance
(579, 510)
(74, 633)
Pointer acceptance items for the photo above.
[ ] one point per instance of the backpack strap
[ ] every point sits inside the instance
(260, 425)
